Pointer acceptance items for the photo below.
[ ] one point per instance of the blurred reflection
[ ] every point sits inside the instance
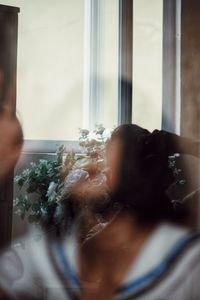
(123, 236)
(11, 142)
(11, 138)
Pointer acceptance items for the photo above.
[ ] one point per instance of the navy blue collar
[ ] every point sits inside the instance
(138, 285)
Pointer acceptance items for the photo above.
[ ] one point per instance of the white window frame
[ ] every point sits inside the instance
(93, 86)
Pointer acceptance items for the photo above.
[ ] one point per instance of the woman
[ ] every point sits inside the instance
(141, 253)
(127, 247)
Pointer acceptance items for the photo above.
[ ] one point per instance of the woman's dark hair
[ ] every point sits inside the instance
(144, 174)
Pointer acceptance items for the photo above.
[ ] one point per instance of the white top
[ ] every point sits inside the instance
(168, 267)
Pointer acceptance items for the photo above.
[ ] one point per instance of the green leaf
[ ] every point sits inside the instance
(35, 207)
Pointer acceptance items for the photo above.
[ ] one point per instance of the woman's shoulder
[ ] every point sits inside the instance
(170, 254)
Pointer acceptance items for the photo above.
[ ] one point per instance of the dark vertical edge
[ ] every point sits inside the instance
(9, 185)
(169, 66)
(15, 52)
(125, 61)
(9, 29)
(190, 93)
(190, 68)
(9, 9)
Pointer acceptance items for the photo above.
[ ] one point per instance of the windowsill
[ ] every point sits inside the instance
(48, 146)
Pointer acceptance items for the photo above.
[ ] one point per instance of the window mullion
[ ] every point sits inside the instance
(171, 66)
(93, 62)
(125, 61)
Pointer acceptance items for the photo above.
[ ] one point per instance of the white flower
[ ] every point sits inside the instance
(107, 134)
(51, 188)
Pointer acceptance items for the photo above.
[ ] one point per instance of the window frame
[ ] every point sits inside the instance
(92, 89)
(171, 70)
(125, 62)
(33, 149)
(9, 34)
(171, 95)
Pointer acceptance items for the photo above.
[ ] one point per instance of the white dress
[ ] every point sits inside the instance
(168, 267)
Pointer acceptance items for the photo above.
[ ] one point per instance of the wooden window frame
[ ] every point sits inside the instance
(9, 33)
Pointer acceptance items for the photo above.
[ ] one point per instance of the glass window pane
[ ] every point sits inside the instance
(147, 63)
(50, 68)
